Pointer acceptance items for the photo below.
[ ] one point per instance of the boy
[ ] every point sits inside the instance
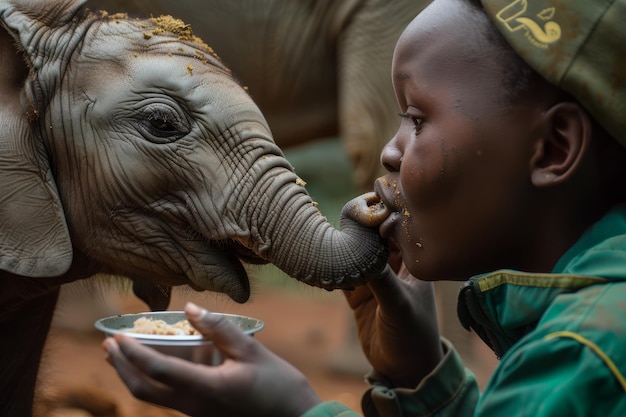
(495, 174)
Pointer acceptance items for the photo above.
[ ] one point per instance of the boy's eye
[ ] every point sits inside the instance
(417, 121)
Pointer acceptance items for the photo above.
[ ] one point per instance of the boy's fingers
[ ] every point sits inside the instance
(135, 379)
(144, 367)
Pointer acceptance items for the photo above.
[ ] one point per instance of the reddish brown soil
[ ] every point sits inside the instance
(306, 326)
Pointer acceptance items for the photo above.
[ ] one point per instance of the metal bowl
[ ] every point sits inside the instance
(190, 347)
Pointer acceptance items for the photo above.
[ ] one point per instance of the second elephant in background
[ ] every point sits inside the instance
(316, 68)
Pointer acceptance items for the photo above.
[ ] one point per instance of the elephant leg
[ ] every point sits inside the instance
(24, 325)
(368, 110)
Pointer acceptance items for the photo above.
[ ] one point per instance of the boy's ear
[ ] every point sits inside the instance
(561, 148)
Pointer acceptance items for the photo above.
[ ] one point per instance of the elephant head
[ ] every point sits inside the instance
(128, 148)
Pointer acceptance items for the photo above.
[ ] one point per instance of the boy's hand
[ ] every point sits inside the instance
(252, 381)
(397, 325)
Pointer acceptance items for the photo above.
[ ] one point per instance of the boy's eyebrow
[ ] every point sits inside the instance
(403, 76)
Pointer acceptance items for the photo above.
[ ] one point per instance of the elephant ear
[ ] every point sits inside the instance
(34, 237)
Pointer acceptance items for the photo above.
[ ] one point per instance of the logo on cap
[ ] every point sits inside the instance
(540, 30)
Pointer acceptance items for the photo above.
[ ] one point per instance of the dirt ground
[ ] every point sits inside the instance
(308, 327)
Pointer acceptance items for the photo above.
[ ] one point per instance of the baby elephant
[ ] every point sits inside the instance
(128, 148)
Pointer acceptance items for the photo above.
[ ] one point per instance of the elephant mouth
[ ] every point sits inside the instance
(232, 278)
(243, 253)
(219, 268)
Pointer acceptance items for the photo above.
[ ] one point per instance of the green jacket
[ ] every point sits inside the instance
(561, 338)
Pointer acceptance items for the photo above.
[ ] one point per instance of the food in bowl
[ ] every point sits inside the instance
(147, 325)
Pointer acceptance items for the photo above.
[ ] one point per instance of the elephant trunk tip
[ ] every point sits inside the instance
(367, 209)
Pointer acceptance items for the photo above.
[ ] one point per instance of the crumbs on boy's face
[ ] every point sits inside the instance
(401, 205)
(397, 202)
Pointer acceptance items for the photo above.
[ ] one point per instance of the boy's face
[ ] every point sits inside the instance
(459, 180)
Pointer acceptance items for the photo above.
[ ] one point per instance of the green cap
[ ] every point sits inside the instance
(577, 45)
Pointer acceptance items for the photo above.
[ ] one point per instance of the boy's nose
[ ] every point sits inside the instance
(391, 157)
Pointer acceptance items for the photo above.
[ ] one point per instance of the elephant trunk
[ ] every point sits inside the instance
(292, 234)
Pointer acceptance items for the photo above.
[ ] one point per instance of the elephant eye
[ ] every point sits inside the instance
(162, 124)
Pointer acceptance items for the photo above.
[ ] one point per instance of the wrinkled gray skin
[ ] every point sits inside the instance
(316, 68)
(127, 151)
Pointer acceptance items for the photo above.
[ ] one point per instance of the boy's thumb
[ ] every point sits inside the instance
(204, 321)
(224, 334)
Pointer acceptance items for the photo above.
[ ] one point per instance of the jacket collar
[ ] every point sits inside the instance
(503, 306)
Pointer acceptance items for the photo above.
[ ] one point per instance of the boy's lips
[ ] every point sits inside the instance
(386, 229)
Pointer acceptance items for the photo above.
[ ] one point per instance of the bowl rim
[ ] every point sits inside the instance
(178, 340)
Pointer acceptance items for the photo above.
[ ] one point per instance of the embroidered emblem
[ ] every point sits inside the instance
(540, 30)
